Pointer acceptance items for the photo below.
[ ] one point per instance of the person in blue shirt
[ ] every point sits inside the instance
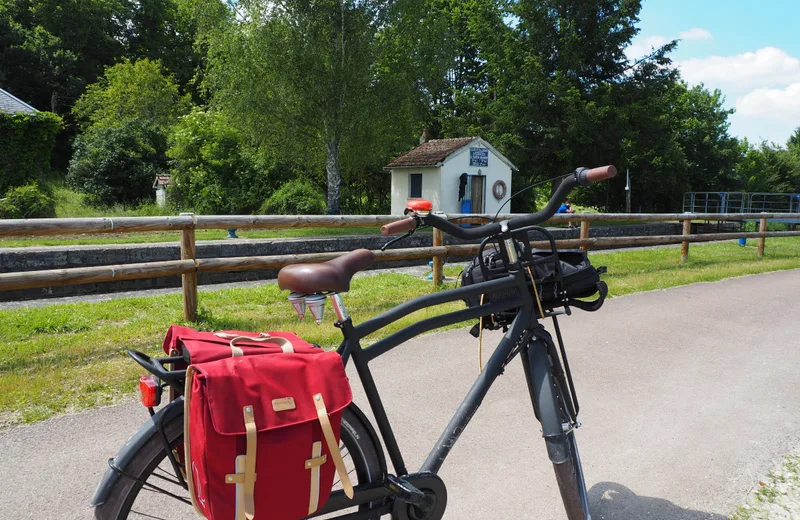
(566, 208)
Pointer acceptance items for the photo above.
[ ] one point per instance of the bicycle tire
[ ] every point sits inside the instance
(354, 435)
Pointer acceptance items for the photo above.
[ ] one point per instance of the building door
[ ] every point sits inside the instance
(477, 191)
(473, 195)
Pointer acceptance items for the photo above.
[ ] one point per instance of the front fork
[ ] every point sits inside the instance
(539, 368)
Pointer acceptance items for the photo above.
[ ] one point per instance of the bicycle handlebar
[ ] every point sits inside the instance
(581, 176)
(407, 224)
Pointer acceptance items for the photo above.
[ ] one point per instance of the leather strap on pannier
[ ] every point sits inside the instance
(187, 395)
(250, 463)
(284, 343)
(333, 446)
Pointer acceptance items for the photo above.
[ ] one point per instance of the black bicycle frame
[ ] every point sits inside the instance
(351, 348)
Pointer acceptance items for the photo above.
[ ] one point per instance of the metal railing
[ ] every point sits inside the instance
(741, 202)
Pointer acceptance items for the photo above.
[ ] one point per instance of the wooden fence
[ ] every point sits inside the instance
(189, 265)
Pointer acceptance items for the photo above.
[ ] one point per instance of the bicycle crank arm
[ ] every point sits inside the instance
(401, 489)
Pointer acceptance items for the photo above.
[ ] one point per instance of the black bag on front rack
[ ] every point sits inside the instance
(580, 278)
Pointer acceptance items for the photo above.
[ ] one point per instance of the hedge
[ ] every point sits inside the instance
(26, 147)
(28, 202)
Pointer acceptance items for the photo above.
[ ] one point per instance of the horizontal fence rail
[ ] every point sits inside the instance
(66, 226)
(189, 265)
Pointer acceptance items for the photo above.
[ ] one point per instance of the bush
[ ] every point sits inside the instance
(27, 202)
(126, 117)
(297, 197)
(117, 165)
(210, 171)
(26, 147)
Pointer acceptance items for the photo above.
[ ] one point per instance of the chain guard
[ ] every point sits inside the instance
(434, 488)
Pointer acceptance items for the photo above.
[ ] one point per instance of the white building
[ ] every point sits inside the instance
(160, 185)
(463, 175)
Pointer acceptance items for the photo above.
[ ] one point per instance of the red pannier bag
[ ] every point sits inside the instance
(201, 347)
(262, 434)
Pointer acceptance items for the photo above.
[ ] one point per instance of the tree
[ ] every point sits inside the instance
(132, 91)
(117, 165)
(551, 86)
(50, 49)
(793, 144)
(125, 119)
(211, 172)
(308, 81)
(161, 30)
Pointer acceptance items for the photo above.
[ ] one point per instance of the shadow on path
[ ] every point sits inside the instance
(612, 501)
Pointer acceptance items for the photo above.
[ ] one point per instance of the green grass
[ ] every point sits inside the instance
(777, 496)
(171, 236)
(71, 204)
(658, 268)
(67, 357)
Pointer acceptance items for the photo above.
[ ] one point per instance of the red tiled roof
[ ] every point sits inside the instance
(431, 153)
(161, 180)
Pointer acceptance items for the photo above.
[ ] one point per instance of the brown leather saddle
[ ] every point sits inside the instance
(331, 276)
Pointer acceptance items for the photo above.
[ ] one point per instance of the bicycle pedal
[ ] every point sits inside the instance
(404, 490)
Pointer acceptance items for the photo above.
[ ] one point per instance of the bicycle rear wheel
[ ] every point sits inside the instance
(139, 493)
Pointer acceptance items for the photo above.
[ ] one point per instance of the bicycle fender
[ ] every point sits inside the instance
(132, 447)
(376, 441)
(545, 401)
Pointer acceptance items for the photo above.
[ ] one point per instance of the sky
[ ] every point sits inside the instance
(749, 49)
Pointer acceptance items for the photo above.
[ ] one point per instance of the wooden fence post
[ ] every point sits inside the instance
(585, 233)
(762, 228)
(687, 230)
(438, 261)
(189, 280)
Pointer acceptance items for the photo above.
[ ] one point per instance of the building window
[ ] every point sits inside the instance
(415, 185)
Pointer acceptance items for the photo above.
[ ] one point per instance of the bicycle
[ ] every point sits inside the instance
(151, 459)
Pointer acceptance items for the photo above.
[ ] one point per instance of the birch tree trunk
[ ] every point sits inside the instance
(334, 175)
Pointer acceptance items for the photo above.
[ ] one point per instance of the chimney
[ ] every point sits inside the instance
(424, 137)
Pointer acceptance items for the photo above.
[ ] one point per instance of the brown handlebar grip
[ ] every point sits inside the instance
(600, 174)
(407, 224)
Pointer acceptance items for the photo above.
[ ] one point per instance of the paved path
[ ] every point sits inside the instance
(689, 395)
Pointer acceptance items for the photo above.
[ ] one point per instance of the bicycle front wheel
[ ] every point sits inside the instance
(549, 396)
(149, 488)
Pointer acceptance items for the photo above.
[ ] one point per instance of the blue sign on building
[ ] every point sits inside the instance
(479, 157)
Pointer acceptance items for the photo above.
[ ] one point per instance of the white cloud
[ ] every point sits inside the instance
(696, 33)
(765, 67)
(643, 46)
(772, 103)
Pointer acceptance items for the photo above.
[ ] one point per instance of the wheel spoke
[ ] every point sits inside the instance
(167, 478)
(155, 489)
(147, 516)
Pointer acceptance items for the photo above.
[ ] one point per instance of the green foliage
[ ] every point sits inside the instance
(50, 49)
(132, 91)
(210, 172)
(117, 165)
(126, 117)
(27, 202)
(296, 197)
(26, 147)
(335, 87)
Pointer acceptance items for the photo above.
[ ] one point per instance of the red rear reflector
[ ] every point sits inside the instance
(149, 391)
(419, 205)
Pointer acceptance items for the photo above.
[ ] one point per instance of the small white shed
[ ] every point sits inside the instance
(462, 175)
(160, 185)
